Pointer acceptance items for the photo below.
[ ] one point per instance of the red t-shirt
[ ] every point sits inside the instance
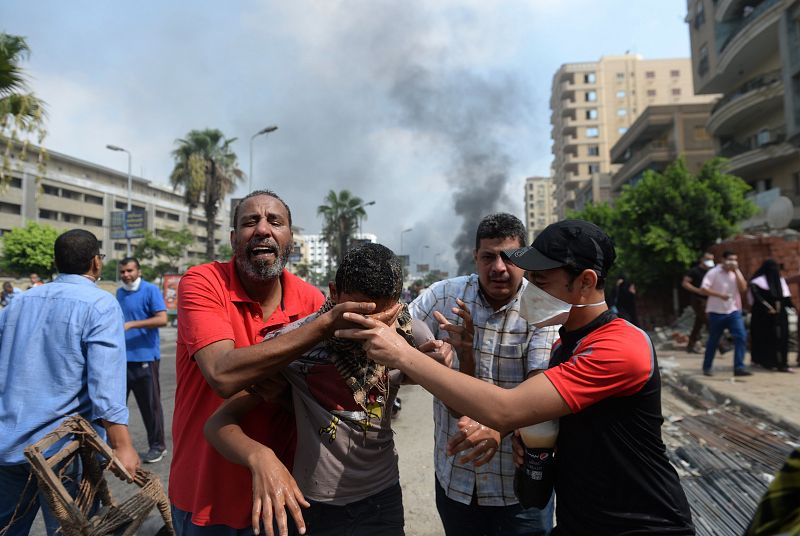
(213, 306)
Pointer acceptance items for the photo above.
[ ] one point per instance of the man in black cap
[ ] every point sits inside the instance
(613, 476)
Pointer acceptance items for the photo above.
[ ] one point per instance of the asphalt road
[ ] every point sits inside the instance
(414, 440)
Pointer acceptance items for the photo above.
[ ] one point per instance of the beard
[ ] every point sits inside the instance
(261, 270)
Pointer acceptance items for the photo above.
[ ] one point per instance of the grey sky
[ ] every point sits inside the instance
(412, 104)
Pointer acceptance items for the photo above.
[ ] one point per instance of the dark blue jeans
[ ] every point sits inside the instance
(718, 323)
(474, 520)
(20, 498)
(379, 514)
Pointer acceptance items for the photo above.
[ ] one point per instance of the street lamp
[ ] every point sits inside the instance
(127, 234)
(265, 130)
(404, 231)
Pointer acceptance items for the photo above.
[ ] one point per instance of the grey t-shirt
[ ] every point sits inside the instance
(344, 454)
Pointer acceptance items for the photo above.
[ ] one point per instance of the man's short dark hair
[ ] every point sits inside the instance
(727, 253)
(373, 270)
(500, 225)
(127, 260)
(256, 193)
(74, 251)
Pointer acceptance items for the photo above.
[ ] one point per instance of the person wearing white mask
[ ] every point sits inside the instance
(145, 312)
(480, 315)
(612, 472)
(692, 282)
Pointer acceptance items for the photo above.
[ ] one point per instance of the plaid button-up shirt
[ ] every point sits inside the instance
(506, 349)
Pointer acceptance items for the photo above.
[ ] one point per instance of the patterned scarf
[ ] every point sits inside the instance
(359, 372)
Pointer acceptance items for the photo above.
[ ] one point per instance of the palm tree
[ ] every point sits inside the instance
(21, 112)
(341, 212)
(207, 169)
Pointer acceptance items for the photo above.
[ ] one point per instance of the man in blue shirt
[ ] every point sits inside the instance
(62, 352)
(145, 312)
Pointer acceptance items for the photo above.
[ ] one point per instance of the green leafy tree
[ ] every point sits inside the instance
(29, 249)
(341, 211)
(21, 112)
(161, 254)
(224, 252)
(207, 169)
(663, 222)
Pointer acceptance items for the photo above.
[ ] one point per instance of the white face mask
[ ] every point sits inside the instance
(543, 309)
(708, 263)
(133, 286)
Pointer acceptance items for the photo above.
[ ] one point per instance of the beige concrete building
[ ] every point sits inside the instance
(658, 137)
(750, 52)
(539, 205)
(594, 103)
(595, 191)
(73, 193)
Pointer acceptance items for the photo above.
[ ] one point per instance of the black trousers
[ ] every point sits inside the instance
(143, 381)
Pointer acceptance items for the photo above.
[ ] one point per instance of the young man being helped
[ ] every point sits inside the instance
(612, 473)
(345, 463)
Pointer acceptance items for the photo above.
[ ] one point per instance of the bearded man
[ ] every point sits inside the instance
(224, 311)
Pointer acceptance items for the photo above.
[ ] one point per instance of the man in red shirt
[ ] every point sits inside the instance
(224, 311)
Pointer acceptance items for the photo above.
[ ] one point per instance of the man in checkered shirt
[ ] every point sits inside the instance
(479, 315)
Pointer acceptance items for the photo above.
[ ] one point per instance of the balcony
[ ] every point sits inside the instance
(654, 155)
(768, 146)
(747, 104)
(744, 40)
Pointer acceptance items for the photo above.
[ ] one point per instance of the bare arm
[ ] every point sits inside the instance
(158, 320)
(496, 407)
(687, 285)
(740, 281)
(228, 370)
(274, 489)
(120, 441)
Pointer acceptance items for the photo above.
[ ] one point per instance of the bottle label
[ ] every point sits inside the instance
(535, 462)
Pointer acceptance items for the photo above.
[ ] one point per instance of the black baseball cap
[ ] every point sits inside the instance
(573, 243)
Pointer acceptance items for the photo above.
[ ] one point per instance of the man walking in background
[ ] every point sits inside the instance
(145, 312)
(723, 285)
(692, 282)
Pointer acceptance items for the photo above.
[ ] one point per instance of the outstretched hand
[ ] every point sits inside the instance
(274, 492)
(480, 441)
(382, 343)
(462, 337)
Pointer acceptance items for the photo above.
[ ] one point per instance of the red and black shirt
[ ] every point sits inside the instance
(613, 475)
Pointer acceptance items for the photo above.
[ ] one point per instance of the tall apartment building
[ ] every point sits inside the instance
(750, 52)
(74, 193)
(539, 205)
(594, 103)
(314, 250)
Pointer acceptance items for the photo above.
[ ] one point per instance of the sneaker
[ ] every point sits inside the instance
(786, 369)
(153, 456)
(707, 373)
(742, 372)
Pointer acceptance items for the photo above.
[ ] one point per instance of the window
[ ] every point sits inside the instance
(651, 92)
(620, 77)
(50, 190)
(16, 182)
(593, 168)
(702, 62)
(699, 14)
(589, 78)
(621, 94)
(47, 214)
(70, 218)
(593, 150)
(592, 132)
(591, 113)
(70, 194)
(763, 137)
(121, 246)
(93, 199)
(10, 208)
(95, 222)
(622, 130)
(650, 75)
(675, 73)
(762, 185)
(591, 96)
(700, 133)
(676, 92)
(622, 112)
